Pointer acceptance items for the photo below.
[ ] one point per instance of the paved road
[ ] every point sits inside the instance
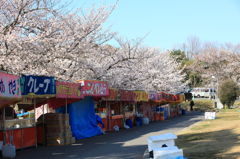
(126, 144)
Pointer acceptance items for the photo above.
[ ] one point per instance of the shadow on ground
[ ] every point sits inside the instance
(211, 145)
(127, 144)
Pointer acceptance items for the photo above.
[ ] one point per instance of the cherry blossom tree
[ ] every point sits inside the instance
(132, 66)
(164, 74)
(219, 62)
(36, 37)
(39, 37)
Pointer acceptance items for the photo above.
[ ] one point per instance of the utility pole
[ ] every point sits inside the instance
(218, 103)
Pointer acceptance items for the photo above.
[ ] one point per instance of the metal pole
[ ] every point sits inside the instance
(43, 131)
(65, 128)
(4, 127)
(43, 113)
(107, 116)
(123, 113)
(217, 87)
(66, 107)
(35, 122)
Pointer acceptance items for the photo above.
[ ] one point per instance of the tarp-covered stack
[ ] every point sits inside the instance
(66, 93)
(83, 120)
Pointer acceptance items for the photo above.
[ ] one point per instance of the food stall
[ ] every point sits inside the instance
(128, 105)
(104, 110)
(10, 94)
(36, 90)
(83, 119)
(66, 93)
(168, 105)
(114, 114)
(153, 113)
(141, 96)
(121, 106)
(97, 89)
(142, 103)
(175, 105)
(161, 110)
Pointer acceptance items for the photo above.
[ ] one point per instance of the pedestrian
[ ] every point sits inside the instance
(191, 105)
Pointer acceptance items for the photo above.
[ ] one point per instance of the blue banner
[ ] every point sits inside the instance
(38, 85)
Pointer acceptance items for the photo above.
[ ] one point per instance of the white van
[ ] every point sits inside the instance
(203, 93)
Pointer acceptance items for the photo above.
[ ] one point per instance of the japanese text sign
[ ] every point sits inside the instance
(153, 96)
(38, 85)
(68, 90)
(9, 86)
(157, 97)
(141, 96)
(94, 88)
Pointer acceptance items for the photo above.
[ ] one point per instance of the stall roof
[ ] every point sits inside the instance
(8, 101)
(30, 106)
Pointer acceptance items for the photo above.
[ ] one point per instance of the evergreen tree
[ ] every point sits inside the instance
(228, 92)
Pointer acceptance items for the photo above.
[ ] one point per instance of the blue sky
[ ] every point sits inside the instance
(170, 22)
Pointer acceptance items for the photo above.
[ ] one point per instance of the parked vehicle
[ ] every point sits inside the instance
(203, 93)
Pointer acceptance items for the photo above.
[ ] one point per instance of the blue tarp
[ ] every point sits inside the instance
(82, 118)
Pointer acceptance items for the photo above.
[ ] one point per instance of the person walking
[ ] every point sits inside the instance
(191, 105)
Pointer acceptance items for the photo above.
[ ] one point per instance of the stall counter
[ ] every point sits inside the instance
(22, 133)
(115, 120)
(22, 137)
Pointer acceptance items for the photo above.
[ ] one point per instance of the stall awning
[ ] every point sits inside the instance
(60, 102)
(28, 103)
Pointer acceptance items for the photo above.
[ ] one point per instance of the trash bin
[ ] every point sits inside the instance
(139, 121)
(129, 123)
(145, 121)
(183, 111)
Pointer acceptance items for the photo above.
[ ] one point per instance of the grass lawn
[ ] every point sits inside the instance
(213, 139)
